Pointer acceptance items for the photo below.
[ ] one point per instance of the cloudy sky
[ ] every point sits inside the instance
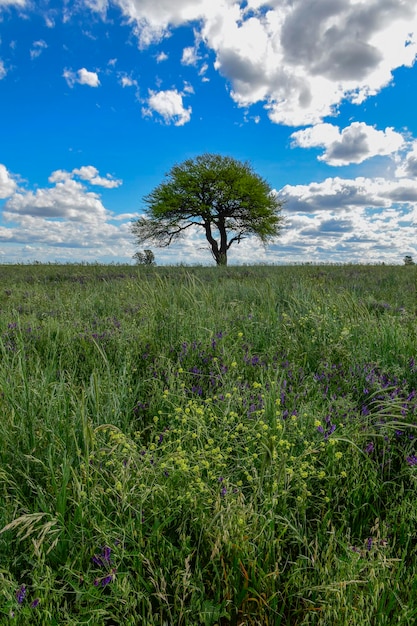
(99, 98)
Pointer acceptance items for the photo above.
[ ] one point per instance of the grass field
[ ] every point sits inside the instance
(200, 446)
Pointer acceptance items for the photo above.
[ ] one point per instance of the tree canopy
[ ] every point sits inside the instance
(222, 196)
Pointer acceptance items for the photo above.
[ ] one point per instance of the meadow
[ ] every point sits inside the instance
(200, 446)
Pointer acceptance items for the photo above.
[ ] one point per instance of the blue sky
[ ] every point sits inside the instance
(99, 98)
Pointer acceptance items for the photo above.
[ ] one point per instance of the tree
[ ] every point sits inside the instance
(146, 257)
(408, 260)
(220, 195)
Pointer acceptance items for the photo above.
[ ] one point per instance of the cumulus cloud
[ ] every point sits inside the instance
(162, 56)
(169, 105)
(65, 216)
(353, 144)
(2, 70)
(66, 240)
(127, 81)
(7, 183)
(339, 194)
(82, 76)
(301, 58)
(409, 166)
(88, 173)
(67, 200)
(190, 56)
(341, 220)
(151, 20)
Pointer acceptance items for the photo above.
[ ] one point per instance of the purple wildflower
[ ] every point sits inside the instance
(369, 543)
(21, 594)
(223, 492)
(369, 448)
(330, 431)
(104, 560)
(412, 459)
(108, 579)
(35, 603)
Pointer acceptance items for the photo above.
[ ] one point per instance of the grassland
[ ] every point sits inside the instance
(201, 446)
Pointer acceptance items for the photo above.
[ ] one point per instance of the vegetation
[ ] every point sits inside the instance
(208, 446)
(220, 195)
(146, 257)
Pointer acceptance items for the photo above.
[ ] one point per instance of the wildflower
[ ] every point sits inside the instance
(369, 543)
(107, 579)
(412, 459)
(21, 594)
(35, 603)
(104, 560)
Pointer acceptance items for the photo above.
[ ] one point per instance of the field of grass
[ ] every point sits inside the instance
(201, 446)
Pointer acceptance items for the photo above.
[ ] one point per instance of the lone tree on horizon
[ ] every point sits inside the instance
(222, 196)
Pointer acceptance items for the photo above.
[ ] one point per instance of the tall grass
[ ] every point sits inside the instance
(201, 446)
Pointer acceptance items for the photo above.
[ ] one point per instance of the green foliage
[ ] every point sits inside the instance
(201, 447)
(220, 195)
(146, 257)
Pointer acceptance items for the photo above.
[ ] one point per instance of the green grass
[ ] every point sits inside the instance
(201, 446)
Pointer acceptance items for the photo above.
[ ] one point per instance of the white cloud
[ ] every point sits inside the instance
(7, 183)
(97, 5)
(409, 165)
(3, 71)
(67, 240)
(12, 3)
(169, 105)
(88, 173)
(37, 48)
(339, 194)
(353, 144)
(300, 58)
(49, 21)
(162, 56)
(127, 81)
(67, 200)
(190, 56)
(65, 221)
(341, 220)
(151, 20)
(82, 76)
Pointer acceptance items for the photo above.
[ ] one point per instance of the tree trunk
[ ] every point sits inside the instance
(222, 252)
(219, 254)
(221, 258)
